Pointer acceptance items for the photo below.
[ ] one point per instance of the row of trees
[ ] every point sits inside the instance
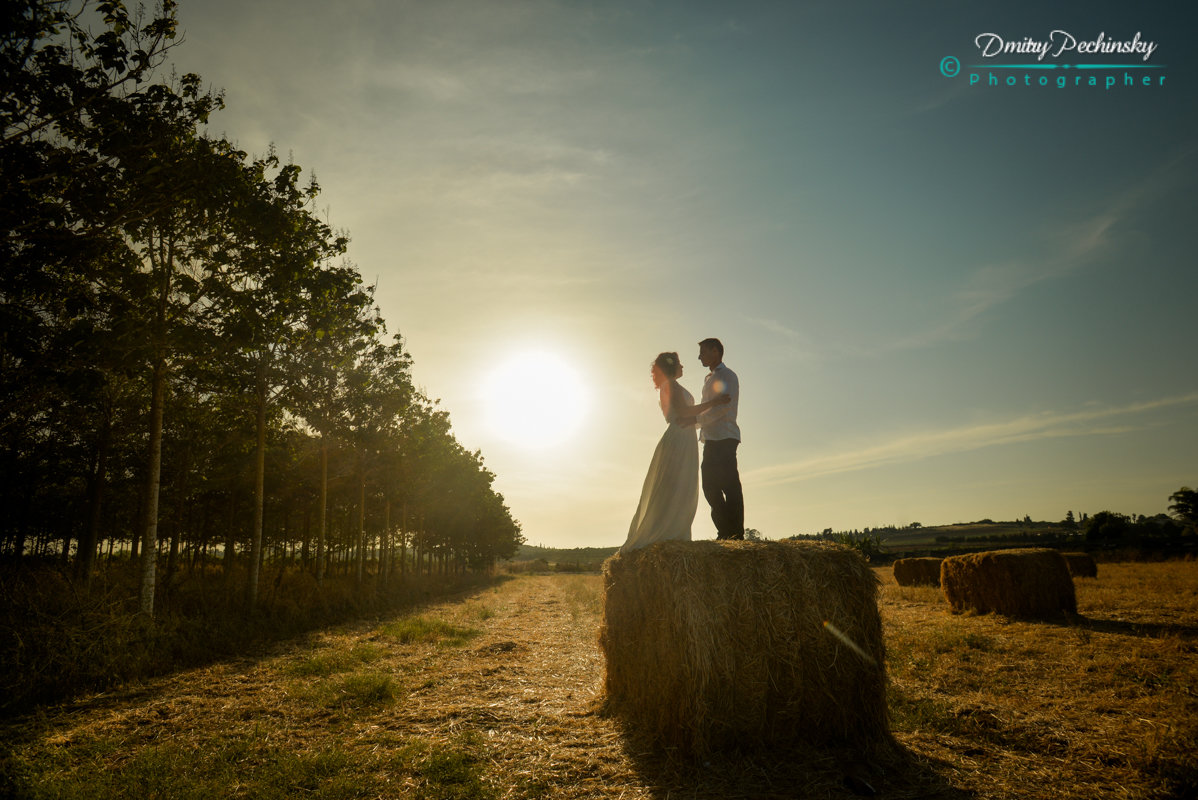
(188, 363)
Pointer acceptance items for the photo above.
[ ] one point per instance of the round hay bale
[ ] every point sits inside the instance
(917, 571)
(1081, 565)
(711, 645)
(1028, 582)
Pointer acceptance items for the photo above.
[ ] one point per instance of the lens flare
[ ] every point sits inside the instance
(839, 634)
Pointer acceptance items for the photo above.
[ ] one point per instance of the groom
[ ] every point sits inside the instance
(720, 437)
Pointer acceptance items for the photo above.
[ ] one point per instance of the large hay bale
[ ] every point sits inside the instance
(711, 645)
(1081, 565)
(1029, 582)
(917, 571)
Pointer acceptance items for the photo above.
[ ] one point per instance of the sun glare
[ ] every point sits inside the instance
(535, 400)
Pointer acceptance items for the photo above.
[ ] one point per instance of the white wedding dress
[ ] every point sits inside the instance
(670, 495)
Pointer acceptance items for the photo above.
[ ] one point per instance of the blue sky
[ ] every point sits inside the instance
(945, 302)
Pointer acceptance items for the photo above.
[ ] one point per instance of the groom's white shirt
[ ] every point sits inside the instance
(720, 422)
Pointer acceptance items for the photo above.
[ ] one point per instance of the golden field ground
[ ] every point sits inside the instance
(493, 695)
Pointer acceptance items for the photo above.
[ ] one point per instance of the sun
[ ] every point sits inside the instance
(534, 399)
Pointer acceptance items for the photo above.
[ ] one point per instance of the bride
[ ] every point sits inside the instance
(670, 495)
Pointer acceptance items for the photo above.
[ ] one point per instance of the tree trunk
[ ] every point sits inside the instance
(90, 537)
(230, 553)
(149, 526)
(361, 560)
(304, 548)
(403, 542)
(251, 584)
(135, 539)
(172, 560)
(324, 508)
(386, 556)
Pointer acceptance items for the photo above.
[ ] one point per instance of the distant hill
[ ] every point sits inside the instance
(555, 555)
(975, 534)
(969, 534)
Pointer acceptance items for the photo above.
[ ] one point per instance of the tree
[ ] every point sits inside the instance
(1185, 505)
(60, 222)
(1108, 526)
(275, 250)
(337, 329)
(379, 391)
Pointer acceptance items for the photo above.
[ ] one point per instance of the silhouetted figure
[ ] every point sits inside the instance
(721, 436)
(670, 494)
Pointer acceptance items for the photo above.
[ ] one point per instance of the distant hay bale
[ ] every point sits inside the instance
(1081, 565)
(1030, 582)
(711, 645)
(917, 571)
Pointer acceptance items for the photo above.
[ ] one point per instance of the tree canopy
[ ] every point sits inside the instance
(190, 366)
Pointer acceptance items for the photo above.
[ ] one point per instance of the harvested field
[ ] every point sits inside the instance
(492, 696)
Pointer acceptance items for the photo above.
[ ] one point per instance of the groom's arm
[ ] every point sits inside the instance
(724, 382)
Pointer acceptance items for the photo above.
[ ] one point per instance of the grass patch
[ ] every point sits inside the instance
(63, 639)
(909, 712)
(410, 630)
(584, 595)
(948, 642)
(248, 767)
(453, 772)
(331, 661)
(358, 690)
(478, 611)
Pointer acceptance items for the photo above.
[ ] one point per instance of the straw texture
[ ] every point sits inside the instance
(917, 571)
(714, 645)
(1029, 582)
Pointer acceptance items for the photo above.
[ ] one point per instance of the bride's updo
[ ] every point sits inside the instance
(667, 365)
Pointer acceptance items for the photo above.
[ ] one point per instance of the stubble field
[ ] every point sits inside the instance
(493, 695)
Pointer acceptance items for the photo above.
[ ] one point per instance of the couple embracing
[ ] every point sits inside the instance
(670, 495)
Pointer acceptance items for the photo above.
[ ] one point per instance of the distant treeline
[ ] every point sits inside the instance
(575, 555)
(190, 369)
(1162, 534)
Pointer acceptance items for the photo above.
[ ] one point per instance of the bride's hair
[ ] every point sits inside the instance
(667, 363)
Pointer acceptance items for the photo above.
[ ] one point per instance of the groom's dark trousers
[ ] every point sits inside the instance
(721, 487)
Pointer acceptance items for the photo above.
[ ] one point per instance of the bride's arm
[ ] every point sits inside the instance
(696, 410)
(688, 413)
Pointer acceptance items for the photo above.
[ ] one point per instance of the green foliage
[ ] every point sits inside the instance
(1108, 526)
(162, 288)
(409, 630)
(868, 545)
(1185, 505)
(574, 555)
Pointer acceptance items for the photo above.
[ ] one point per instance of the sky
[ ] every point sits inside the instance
(946, 298)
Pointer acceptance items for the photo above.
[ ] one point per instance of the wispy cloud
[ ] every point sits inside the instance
(1066, 250)
(915, 447)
